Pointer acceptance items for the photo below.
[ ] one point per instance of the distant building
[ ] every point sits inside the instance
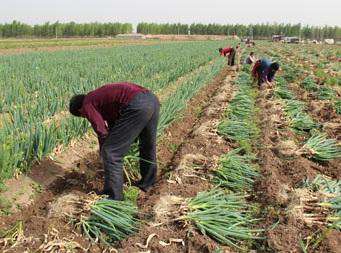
(295, 40)
(277, 38)
(329, 41)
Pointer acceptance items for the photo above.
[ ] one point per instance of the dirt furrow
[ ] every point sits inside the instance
(281, 174)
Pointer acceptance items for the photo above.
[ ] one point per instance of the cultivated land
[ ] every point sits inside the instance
(240, 169)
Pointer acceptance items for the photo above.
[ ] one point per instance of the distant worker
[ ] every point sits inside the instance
(230, 52)
(119, 113)
(251, 59)
(264, 72)
(238, 56)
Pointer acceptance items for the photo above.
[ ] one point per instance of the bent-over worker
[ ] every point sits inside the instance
(264, 71)
(119, 113)
(251, 59)
(230, 52)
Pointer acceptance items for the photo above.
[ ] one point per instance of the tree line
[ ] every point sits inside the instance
(70, 29)
(257, 31)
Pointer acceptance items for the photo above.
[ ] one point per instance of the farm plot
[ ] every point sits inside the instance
(34, 122)
(242, 170)
(181, 91)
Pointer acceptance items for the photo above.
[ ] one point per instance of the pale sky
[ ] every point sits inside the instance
(312, 12)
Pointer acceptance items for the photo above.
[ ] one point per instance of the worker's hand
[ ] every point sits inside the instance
(101, 141)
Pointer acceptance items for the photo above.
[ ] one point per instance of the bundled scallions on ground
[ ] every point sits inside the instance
(223, 217)
(293, 107)
(302, 122)
(104, 220)
(325, 93)
(324, 184)
(283, 92)
(240, 125)
(337, 106)
(241, 106)
(326, 194)
(321, 148)
(238, 130)
(309, 84)
(235, 172)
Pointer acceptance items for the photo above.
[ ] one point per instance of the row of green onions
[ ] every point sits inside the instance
(37, 86)
(225, 217)
(223, 213)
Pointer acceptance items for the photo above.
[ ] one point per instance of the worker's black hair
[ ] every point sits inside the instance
(274, 66)
(220, 49)
(76, 103)
(252, 53)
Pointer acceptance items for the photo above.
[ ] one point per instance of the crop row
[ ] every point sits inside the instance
(38, 91)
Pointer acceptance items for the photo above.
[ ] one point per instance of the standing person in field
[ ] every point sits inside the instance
(264, 72)
(238, 54)
(251, 59)
(230, 53)
(119, 113)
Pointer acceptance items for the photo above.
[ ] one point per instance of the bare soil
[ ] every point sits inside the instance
(280, 176)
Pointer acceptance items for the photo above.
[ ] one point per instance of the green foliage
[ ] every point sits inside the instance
(18, 29)
(321, 148)
(302, 122)
(223, 217)
(293, 107)
(154, 28)
(332, 81)
(110, 221)
(235, 172)
(283, 92)
(238, 130)
(326, 93)
(309, 84)
(337, 106)
(37, 86)
(321, 74)
(260, 31)
(131, 194)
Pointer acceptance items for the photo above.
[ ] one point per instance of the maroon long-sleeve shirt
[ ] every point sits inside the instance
(226, 51)
(101, 106)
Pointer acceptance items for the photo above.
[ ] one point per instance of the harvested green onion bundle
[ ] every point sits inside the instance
(325, 93)
(309, 84)
(321, 148)
(337, 106)
(241, 106)
(324, 184)
(236, 172)
(302, 122)
(238, 130)
(293, 107)
(109, 221)
(223, 217)
(280, 81)
(320, 201)
(243, 79)
(335, 204)
(283, 92)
